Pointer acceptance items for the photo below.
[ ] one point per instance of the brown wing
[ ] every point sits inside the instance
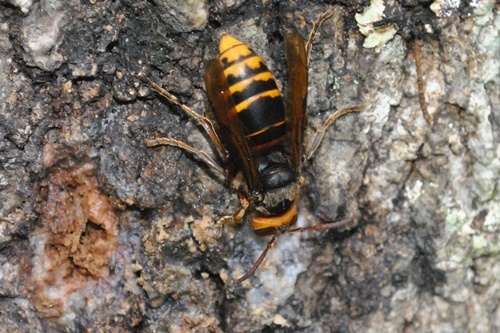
(229, 125)
(296, 97)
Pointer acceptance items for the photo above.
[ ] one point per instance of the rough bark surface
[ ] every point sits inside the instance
(100, 233)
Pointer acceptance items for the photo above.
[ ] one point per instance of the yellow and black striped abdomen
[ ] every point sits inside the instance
(255, 94)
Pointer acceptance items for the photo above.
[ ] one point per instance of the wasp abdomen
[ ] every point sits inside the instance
(256, 96)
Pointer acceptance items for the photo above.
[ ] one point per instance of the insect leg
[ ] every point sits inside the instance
(240, 212)
(317, 24)
(421, 82)
(203, 156)
(320, 133)
(202, 120)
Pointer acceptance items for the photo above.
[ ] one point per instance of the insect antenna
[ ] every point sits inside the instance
(316, 227)
(258, 262)
(327, 226)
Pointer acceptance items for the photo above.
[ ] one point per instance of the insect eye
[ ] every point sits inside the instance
(257, 197)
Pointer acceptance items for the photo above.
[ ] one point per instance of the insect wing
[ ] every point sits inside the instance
(230, 128)
(296, 97)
